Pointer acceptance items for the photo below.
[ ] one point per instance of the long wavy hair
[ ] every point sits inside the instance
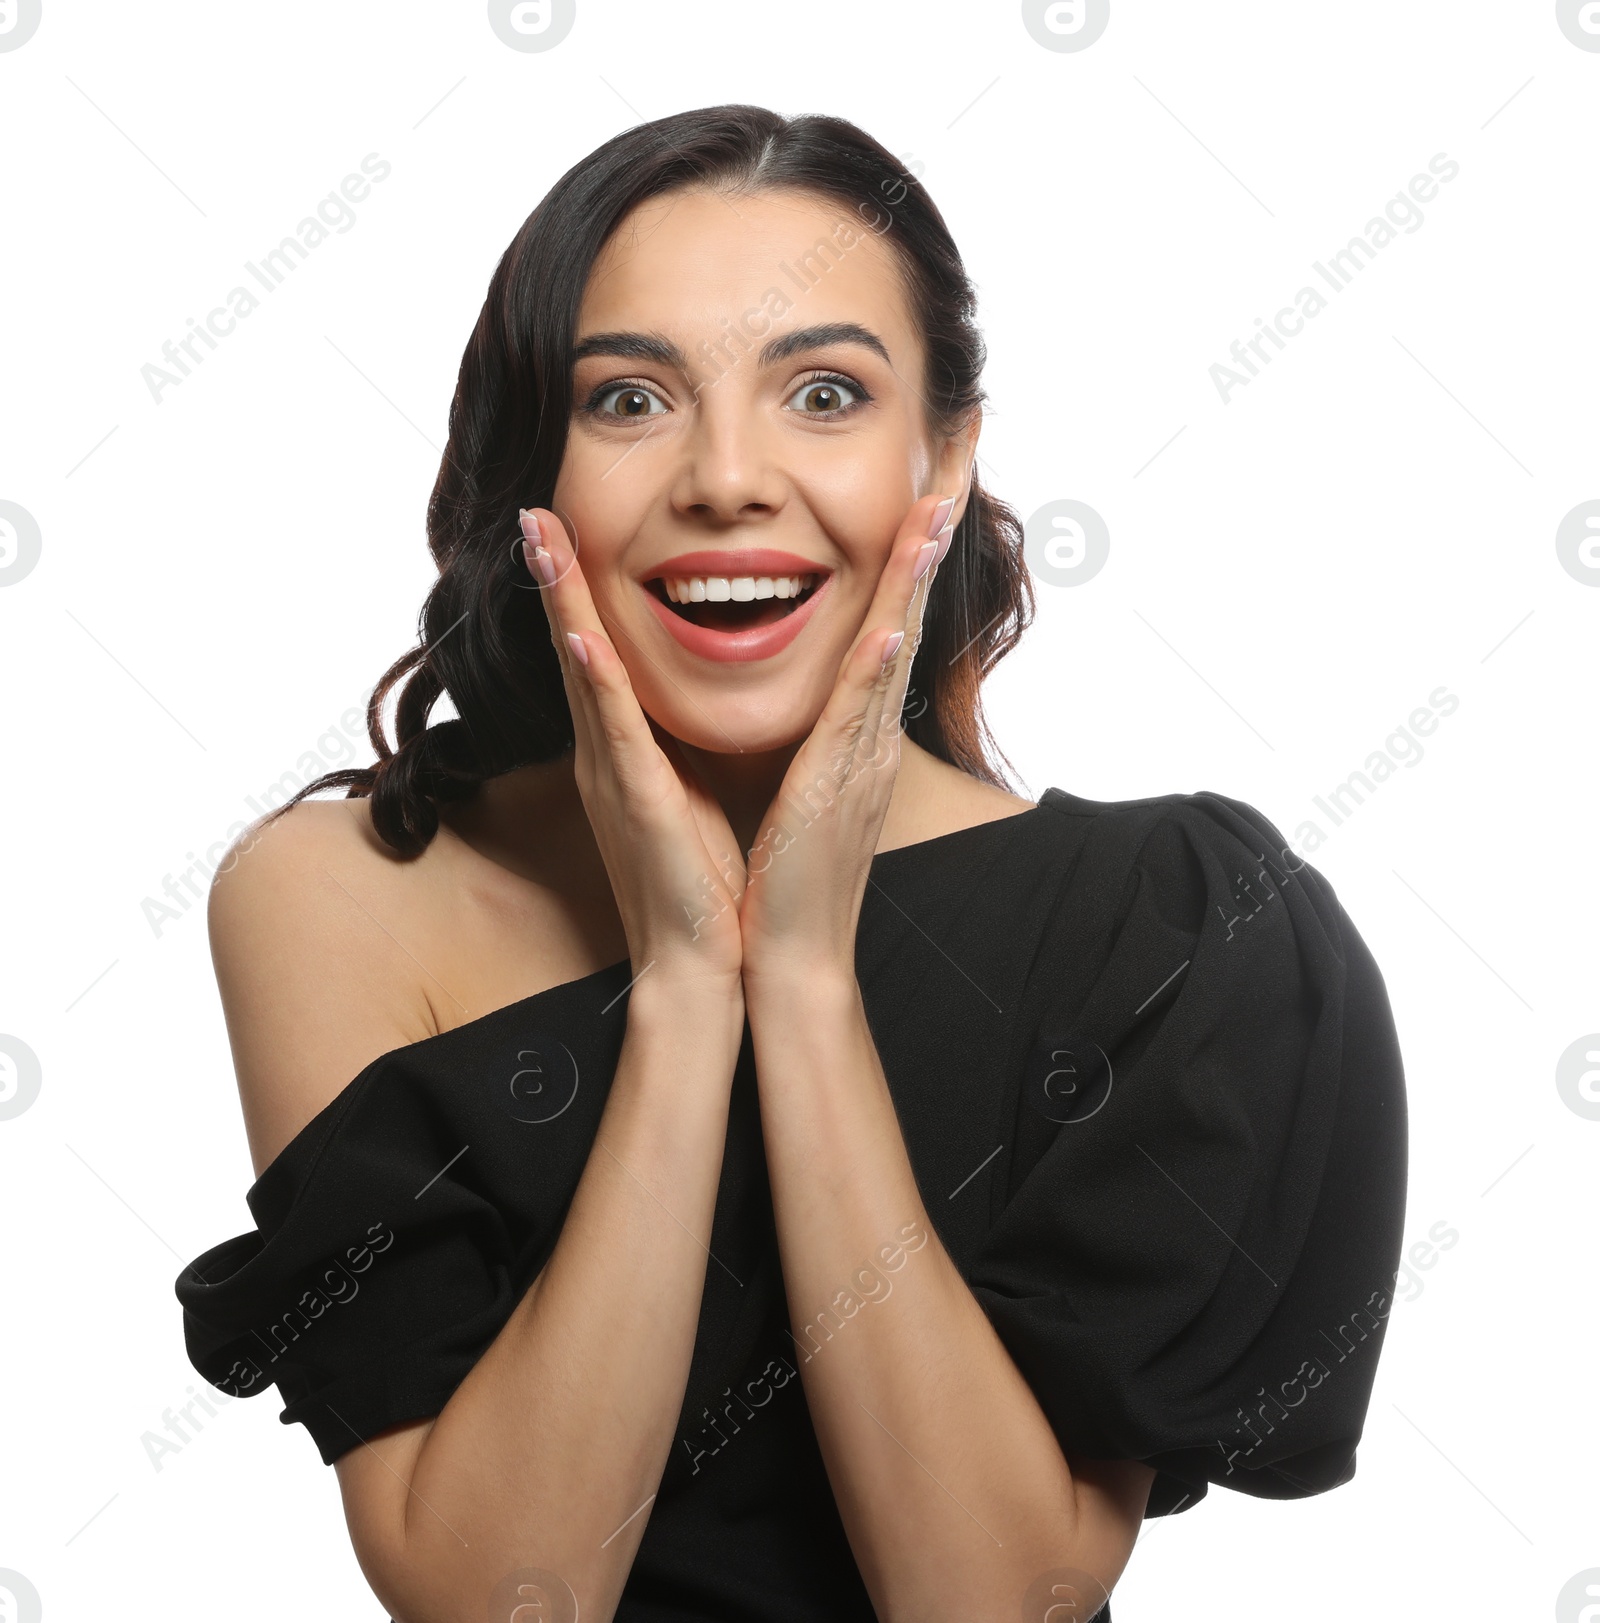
(483, 637)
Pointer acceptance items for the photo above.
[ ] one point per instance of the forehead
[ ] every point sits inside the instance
(689, 263)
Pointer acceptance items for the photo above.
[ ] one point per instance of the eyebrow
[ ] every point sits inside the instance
(632, 346)
(638, 346)
(837, 332)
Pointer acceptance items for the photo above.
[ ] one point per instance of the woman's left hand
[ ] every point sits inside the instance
(808, 869)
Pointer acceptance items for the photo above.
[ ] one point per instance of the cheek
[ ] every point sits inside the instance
(602, 503)
(860, 499)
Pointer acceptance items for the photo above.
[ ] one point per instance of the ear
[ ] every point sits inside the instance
(955, 462)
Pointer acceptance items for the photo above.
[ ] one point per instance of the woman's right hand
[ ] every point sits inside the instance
(676, 869)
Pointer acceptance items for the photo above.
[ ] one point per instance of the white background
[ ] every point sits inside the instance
(227, 572)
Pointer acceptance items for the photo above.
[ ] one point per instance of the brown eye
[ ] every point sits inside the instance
(822, 397)
(627, 400)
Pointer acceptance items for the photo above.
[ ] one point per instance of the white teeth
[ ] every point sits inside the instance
(736, 589)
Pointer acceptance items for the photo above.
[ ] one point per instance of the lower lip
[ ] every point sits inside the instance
(760, 642)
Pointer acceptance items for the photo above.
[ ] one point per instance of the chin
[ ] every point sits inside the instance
(726, 727)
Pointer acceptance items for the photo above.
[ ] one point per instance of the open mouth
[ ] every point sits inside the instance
(743, 603)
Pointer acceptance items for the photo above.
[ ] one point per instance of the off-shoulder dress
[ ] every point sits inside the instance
(1150, 1085)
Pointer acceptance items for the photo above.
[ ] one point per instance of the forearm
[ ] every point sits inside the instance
(950, 1482)
(559, 1434)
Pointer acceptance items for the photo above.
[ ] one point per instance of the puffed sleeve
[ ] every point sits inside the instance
(372, 1282)
(1194, 1262)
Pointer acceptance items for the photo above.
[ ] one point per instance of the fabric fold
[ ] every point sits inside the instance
(1221, 1186)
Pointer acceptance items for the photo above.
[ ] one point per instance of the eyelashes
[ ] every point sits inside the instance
(594, 406)
(821, 382)
(643, 399)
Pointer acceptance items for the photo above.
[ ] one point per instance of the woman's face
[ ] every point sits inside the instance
(747, 411)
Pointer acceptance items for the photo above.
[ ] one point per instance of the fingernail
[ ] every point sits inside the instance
(945, 538)
(892, 646)
(542, 564)
(941, 515)
(575, 643)
(924, 559)
(530, 525)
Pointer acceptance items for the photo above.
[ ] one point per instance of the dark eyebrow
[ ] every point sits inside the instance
(837, 332)
(638, 346)
(633, 346)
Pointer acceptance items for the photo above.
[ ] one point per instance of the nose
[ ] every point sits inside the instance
(729, 472)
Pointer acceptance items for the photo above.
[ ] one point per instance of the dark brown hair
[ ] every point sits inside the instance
(483, 636)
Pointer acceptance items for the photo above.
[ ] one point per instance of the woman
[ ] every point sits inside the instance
(719, 1152)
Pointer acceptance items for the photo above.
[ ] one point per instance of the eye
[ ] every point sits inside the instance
(826, 395)
(625, 402)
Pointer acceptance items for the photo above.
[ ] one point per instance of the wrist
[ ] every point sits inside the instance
(800, 991)
(687, 998)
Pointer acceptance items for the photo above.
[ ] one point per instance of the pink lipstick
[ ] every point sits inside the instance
(735, 604)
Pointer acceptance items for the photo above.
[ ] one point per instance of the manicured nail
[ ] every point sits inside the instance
(539, 561)
(892, 646)
(941, 515)
(924, 559)
(945, 538)
(575, 643)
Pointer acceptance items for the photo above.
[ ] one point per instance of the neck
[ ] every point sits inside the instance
(531, 819)
(743, 785)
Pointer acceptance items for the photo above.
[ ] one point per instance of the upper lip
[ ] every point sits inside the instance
(732, 563)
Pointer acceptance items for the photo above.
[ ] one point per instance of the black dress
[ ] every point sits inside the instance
(1150, 1086)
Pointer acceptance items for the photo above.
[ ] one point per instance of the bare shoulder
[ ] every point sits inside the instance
(985, 802)
(308, 915)
(934, 798)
